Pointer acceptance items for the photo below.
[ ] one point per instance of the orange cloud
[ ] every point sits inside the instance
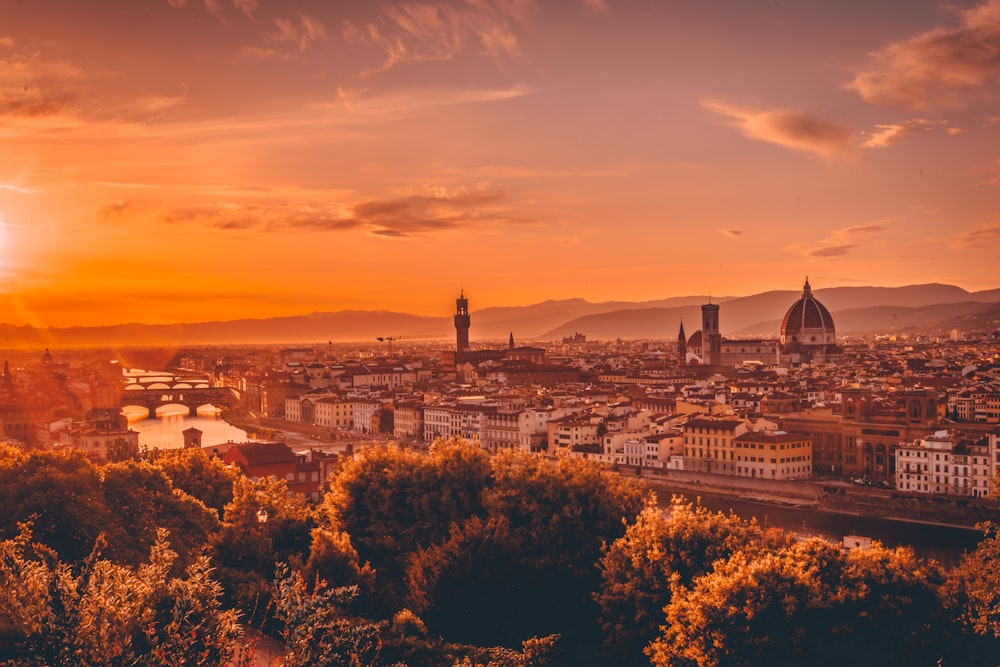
(985, 236)
(34, 87)
(892, 133)
(433, 210)
(426, 31)
(798, 130)
(302, 34)
(941, 67)
(840, 243)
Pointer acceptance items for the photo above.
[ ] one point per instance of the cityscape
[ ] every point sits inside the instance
(499, 333)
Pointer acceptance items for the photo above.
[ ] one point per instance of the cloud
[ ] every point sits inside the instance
(35, 88)
(798, 130)
(596, 5)
(6, 43)
(839, 243)
(307, 30)
(988, 235)
(20, 189)
(115, 212)
(943, 67)
(413, 32)
(890, 134)
(433, 210)
(733, 232)
(248, 7)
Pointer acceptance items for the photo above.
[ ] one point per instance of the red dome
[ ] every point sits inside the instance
(807, 321)
(694, 341)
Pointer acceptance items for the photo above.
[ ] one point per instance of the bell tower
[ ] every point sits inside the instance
(462, 322)
(711, 339)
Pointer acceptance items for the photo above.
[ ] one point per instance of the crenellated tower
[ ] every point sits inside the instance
(462, 322)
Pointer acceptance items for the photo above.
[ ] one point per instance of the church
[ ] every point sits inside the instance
(807, 337)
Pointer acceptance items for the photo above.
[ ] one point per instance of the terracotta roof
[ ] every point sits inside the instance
(262, 453)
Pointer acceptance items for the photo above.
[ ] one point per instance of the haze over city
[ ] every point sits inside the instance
(189, 160)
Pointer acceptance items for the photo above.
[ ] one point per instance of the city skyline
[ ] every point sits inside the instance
(194, 160)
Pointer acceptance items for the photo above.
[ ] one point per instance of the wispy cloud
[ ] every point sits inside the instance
(798, 130)
(434, 209)
(410, 32)
(940, 67)
(985, 236)
(248, 7)
(359, 104)
(33, 87)
(732, 232)
(892, 133)
(839, 243)
(20, 189)
(301, 32)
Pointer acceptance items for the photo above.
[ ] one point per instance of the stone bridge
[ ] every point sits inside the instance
(192, 397)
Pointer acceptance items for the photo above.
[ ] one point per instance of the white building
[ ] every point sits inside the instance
(944, 464)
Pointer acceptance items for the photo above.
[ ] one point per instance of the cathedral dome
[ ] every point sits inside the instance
(807, 322)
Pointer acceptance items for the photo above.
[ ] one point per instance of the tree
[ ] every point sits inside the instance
(562, 512)
(59, 493)
(247, 551)
(109, 614)
(532, 556)
(139, 500)
(972, 596)
(317, 630)
(122, 449)
(205, 477)
(804, 604)
(661, 550)
(393, 501)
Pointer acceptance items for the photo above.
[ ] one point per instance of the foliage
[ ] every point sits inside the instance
(109, 614)
(246, 551)
(317, 631)
(205, 477)
(139, 500)
(393, 501)
(972, 597)
(334, 560)
(805, 604)
(661, 550)
(561, 512)
(59, 492)
(122, 449)
(532, 556)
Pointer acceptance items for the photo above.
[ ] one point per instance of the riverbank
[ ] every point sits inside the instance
(832, 496)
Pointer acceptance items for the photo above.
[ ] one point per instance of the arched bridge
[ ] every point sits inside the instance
(155, 396)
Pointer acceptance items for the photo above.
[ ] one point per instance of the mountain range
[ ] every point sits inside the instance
(855, 310)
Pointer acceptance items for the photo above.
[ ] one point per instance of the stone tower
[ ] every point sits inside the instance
(711, 339)
(462, 322)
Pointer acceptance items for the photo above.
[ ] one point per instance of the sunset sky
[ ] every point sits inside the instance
(189, 160)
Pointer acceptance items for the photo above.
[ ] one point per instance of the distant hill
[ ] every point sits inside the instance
(896, 319)
(855, 309)
(865, 310)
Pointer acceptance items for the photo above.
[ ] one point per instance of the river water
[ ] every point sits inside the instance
(165, 431)
(944, 544)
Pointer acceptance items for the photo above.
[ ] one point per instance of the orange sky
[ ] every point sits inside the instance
(190, 160)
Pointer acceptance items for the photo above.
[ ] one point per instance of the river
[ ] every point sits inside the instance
(944, 544)
(165, 431)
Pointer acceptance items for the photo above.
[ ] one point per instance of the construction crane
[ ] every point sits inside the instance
(388, 339)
